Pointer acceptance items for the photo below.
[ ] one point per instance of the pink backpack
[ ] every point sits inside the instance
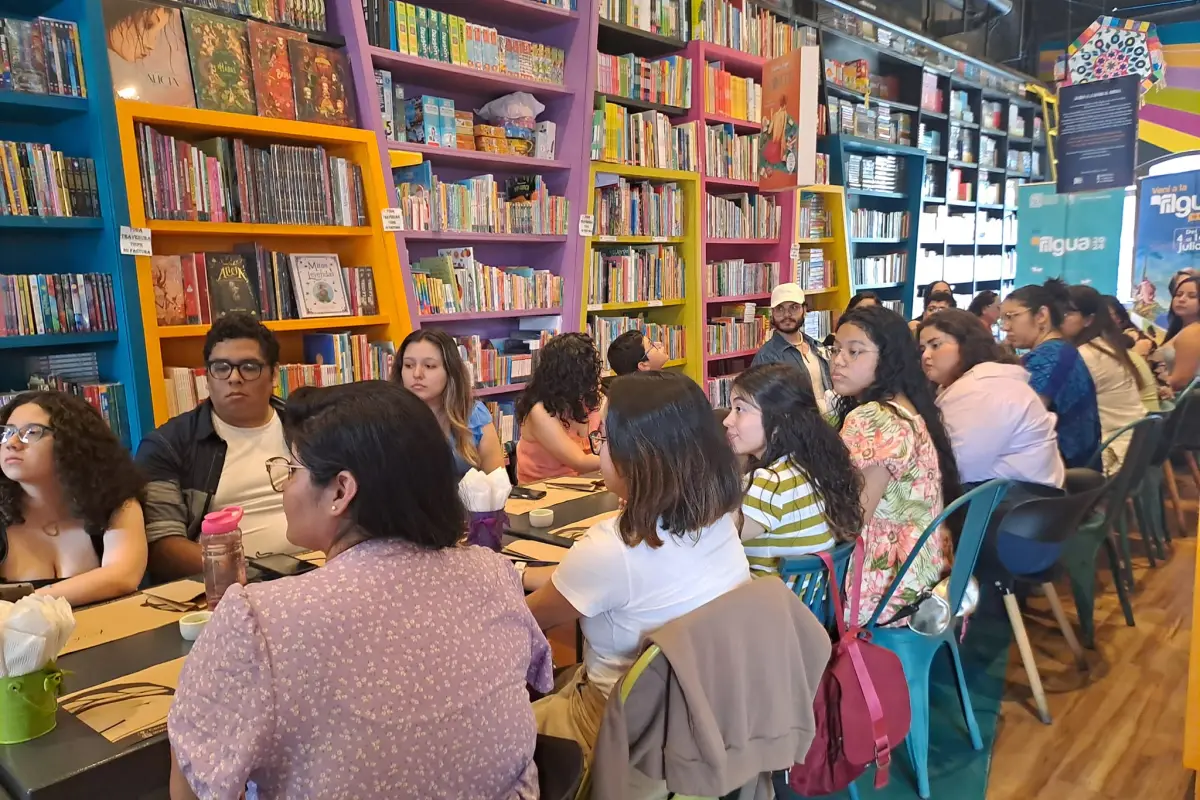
(861, 707)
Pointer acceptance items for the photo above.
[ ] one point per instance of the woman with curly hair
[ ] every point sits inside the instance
(890, 423)
(70, 501)
(803, 494)
(557, 411)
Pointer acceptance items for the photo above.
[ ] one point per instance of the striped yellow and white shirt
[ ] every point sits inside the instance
(781, 499)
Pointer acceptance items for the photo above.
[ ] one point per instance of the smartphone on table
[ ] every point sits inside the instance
(524, 493)
(280, 565)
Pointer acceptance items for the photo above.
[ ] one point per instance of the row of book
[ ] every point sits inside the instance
(41, 56)
(504, 418)
(813, 271)
(635, 274)
(507, 361)
(878, 173)
(38, 181)
(436, 35)
(732, 23)
(604, 329)
(878, 270)
(307, 14)
(742, 216)
(730, 155)
(720, 390)
(77, 374)
(645, 139)
(870, 119)
(435, 121)
(813, 220)
(230, 180)
(667, 81)
(523, 206)
(868, 223)
(736, 329)
(735, 277)
(36, 305)
(730, 95)
(626, 208)
(197, 288)
(661, 17)
(818, 324)
(453, 282)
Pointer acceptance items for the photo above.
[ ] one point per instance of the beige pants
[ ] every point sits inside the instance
(572, 712)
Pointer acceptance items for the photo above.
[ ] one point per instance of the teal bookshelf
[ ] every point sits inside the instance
(78, 127)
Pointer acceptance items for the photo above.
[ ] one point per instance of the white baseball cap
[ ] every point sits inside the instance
(787, 293)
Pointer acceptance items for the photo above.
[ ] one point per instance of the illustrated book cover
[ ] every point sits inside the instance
(272, 69)
(319, 285)
(147, 53)
(320, 81)
(230, 285)
(220, 57)
(169, 302)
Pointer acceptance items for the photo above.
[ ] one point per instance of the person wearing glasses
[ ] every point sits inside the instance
(70, 501)
(789, 344)
(632, 352)
(212, 456)
(397, 670)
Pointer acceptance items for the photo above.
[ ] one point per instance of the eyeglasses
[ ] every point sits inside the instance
(279, 471)
(596, 440)
(249, 370)
(654, 347)
(28, 434)
(850, 353)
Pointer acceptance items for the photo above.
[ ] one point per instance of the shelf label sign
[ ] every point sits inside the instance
(654, 303)
(587, 224)
(795, 251)
(393, 219)
(135, 241)
(748, 313)
(595, 307)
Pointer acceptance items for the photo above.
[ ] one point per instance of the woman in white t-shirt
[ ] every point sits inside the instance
(673, 548)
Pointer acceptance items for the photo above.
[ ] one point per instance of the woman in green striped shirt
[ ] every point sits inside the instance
(802, 493)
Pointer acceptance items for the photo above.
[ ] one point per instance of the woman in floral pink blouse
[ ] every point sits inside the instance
(892, 427)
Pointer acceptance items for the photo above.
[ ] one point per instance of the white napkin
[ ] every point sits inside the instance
(481, 492)
(33, 631)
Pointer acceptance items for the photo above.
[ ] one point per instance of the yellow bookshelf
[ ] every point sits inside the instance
(687, 311)
(836, 249)
(182, 345)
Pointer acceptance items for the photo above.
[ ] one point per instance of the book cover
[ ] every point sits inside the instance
(191, 290)
(320, 84)
(167, 278)
(368, 300)
(230, 286)
(319, 286)
(147, 53)
(220, 57)
(272, 69)
(26, 55)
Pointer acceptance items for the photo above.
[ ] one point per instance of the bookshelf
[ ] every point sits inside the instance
(181, 345)
(82, 127)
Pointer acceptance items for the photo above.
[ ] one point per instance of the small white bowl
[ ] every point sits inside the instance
(541, 517)
(191, 624)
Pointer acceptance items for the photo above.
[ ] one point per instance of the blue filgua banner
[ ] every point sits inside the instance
(1097, 134)
(1075, 237)
(1168, 240)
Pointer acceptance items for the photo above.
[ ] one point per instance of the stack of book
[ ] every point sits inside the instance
(890, 268)
(41, 56)
(750, 29)
(521, 205)
(730, 96)
(645, 139)
(728, 155)
(814, 221)
(307, 14)
(198, 288)
(818, 324)
(877, 173)
(735, 278)
(633, 274)
(36, 305)
(36, 181)
(813, 272)
(228, 180)
(720, 391)
(604, 329)
(667, 81)
(737, 328)
(661, 17)
(453, 282)
(868, 223)
(427, 33)
(624, 208)
(742, 216)
(504, 418)
(502, 362)
(77, 374)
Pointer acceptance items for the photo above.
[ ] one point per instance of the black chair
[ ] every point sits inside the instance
(510, 461)
(1182, 433)
(560, 767)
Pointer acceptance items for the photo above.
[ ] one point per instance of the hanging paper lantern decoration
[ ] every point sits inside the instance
(1113, 48)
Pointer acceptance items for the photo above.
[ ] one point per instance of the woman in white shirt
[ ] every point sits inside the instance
(1105, 351)
(673, 548)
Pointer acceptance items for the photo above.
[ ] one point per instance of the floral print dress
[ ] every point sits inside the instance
(890, 436)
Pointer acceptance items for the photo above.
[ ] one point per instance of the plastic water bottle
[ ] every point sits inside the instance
(221, 552)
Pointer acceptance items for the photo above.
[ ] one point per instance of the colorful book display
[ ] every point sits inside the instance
(628, 208)
(521, 205)
(454, 282)
(667, 81)
(668, 18)
(41, 56)
(751, 29)
(220, 56)
(147, 53)
(310, 15)
(37, 305)
(37, 181)
(743, 216)
(319, 83)
(644, 139)
(634, 274)
(729, 95)
(738, 278)
(737, 329)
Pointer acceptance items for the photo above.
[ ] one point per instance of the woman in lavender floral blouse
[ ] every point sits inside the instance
(399, 669)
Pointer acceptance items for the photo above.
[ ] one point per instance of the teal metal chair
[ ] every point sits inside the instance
(810, 580)
(916, 651)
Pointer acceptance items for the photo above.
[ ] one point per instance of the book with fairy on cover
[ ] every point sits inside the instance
(319, 76)
(272, 69)
(169, 297)
(319, 285)
(147, 53)
(220, 59)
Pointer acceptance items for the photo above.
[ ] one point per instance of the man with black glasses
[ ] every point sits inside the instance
(214, 455)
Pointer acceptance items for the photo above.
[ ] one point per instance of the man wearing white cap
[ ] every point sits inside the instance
(791, 345)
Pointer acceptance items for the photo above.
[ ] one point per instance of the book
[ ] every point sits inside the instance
(37, 305)
(166, 275)
(26, 55)
(147, 53)
(320, 84)
(36, 180)
(319, 285)
(230, 285)
(220, 57)
(272, 68)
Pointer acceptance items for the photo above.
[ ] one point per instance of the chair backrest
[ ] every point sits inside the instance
(980, 503)
(1030, 536)
(1144, 439)
(1187, 430)
(510, 457)
(810, 580)
(560, 767)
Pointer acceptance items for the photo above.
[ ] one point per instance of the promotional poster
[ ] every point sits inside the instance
(1097, 134)
(1075, 237)
(1168, 240)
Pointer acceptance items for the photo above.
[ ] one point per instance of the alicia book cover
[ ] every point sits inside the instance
(147, 53)
(272, 69)
(220, 59)
(230, 285)
(320, 84)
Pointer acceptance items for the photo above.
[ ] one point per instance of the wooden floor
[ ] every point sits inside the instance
(1118, 728)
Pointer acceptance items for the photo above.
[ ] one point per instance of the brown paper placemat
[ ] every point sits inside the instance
(576, 530)
(538, 551)
(128, 709)
(553, 497)
(184, 592)
(117, 620)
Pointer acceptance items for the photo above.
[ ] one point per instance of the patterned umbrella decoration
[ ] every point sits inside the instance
(1112, 48)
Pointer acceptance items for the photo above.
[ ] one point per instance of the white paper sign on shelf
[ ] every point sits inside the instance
(607, 238)
(748, 313)
(587, 224)
(795, 251)
(659, 239)
(654, 303)
(135, 241)
(393, 219)
(595, 306)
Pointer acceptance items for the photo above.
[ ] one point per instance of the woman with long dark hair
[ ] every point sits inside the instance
(890, 423)
(803, 492)
(1142, 343)
(430, 366)
(986, 306)
(559, 409)
(1180, 353)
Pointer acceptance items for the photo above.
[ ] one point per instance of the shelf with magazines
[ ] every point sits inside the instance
(70, 320)
(313, 263)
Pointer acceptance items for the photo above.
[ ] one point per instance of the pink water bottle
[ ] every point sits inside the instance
(221, 552)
